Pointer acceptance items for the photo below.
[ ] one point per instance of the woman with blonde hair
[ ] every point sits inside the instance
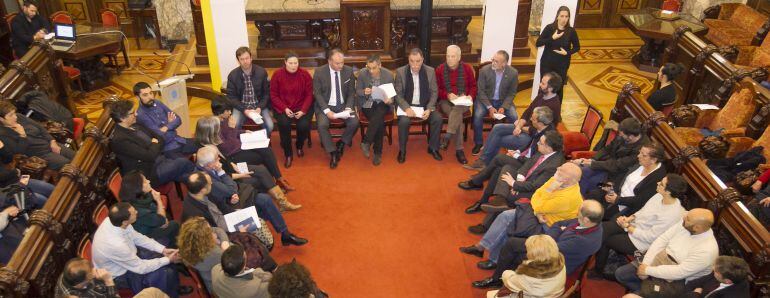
(543, 274)
(201, 246)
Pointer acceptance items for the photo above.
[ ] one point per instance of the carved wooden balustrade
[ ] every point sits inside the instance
(738, 232)
(38, 69)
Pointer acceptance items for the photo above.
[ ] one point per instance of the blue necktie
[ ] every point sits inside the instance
(337, 95)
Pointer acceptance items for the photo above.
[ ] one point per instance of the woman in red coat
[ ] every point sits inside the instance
(291, 93)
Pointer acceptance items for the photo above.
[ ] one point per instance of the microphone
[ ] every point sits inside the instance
(169, 58)
(144, 73)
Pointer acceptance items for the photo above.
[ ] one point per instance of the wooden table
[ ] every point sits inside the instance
(93, 41)
(656, 33)
(137, 16)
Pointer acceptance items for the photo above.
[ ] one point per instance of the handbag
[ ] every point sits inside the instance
(257, 255)
(31, 165)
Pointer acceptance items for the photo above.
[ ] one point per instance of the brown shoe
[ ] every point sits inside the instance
(284, 184)
(280, 199)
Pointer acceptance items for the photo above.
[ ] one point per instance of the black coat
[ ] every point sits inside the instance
(617, 157)
(642, 192)
(135, 153)
(236, 86)
(540, 175)
(708, 283)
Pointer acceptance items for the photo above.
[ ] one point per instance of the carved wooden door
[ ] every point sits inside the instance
(606, 13)
(364, 27)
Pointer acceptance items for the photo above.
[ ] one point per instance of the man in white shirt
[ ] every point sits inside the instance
(684, 252)
(115, 250)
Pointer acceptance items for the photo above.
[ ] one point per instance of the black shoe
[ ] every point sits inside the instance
(477, 229)
(475, 208)
(476, 149)
(489, 208)
(377, 159)
(472, 250)
(486, 265)
(435, 154)
(401, 156)
(469, 185)
(488, 283)
(461, 157)
(340, 148)
(300, 152)
(184, 290)
(291, 239)
(334, 160)
(287, 163)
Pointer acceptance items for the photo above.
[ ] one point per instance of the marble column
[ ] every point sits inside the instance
(696, 7)
(174, 18)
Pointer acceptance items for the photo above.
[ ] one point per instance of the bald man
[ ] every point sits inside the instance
(683, 253)
(577, 239)
(454, 79)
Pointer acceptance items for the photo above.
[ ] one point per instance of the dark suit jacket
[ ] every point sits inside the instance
(134, 153)
(400, 83)
(576, 245)
(709, 283)
(222, 189)
(364, 81)
(642, 192)
(508, 86)
(617, 157)
(235, 86)
(192, 208)
(540, 175)
(322, 87)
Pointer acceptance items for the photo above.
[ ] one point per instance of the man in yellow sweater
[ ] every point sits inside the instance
(559, 198)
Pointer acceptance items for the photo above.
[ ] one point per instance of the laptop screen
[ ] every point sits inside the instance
(65, 31)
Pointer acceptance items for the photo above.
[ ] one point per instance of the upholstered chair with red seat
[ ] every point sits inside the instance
(581, 140)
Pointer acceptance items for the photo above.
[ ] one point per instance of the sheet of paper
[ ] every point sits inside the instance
(257, 118)
(498, 116)
(242, 167)
(463, 101)
(418, 111)
(385, 91)
(706, 107)
(256, 139)
(343, 115)
(247, 217)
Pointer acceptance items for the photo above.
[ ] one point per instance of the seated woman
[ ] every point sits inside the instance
(201, 246)
(25, 136)
(666, 94)
(229, 142)
(208, 132)
(151, 218)
(543, 274)
(631, 191)
(628, 234)
(291, 95)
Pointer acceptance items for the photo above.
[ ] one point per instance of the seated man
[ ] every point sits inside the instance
(415, 86)
(231, 278)
(247, 85)
(558, 199)
(455, 79)
(334, 90)
(160, 119)
(522, 175)
(81, 279)
(614, 159)
(497, 86)
(25, 136)
(138, 148)
(26, 28)
(577, 239)
(530, 127)
(114, 250)
(681, 254)
(225, 195)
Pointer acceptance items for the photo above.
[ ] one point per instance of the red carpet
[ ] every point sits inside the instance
(387, 231)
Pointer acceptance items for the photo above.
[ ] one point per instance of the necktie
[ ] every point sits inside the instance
(537, 164)
(338, 96)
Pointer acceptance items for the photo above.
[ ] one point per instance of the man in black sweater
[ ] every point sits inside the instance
(26, 28)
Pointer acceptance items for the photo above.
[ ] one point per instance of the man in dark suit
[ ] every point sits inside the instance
(139, 148)
(247, 85)
(27, 27)
(416, 87)
(497, 86)
(334, 90)
(730, 279)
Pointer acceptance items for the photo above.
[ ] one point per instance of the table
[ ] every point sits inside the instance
(656, 33)
(93, 41)
(137, 16)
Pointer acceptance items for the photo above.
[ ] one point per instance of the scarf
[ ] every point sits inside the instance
(460, 79)
(144, 202)
(541, 269)
(424, 88)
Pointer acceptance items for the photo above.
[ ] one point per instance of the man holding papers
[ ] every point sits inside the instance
(497, 86)
(334, 92)
(416, 93)
(372, 88)
(456, 90)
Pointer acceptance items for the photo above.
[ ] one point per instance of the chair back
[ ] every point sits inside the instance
(671, 5)
(84, 249)
(200, 286)
(100, 213)
(591, 123)
(114, 184)
(110, 18)
(62, 17)
(9, 18)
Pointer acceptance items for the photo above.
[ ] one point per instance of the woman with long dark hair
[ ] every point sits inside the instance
(560, 41)
(151, 218)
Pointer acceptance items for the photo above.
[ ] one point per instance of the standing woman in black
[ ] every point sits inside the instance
(560, 41)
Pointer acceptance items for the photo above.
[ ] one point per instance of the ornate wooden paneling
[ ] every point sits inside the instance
(37, 70)
(119, 6)
(78, 9)
(605, 13)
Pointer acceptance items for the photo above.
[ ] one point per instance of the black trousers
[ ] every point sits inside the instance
(512, 254)
(259, 156)
(284, 130)
(492, 172)
(434, 130)
(615, 238)
(376, 130)
(261, 179)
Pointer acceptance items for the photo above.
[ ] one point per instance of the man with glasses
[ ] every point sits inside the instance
(497, 86)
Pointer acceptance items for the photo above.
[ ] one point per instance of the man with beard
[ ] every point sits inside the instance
(160, 119)
(683, 253)
(26, 28)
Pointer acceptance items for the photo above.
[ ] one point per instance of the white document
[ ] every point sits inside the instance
(254, 116)
(498, 116)
(383, 91)
(418, 111)
(242, 167)
(343, 115)
(463, 101)
(256, 139)
(706, 107)
(245, 217)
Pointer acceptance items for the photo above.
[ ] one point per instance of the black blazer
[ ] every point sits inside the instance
(708, 283)
(540, 175)
(235, 86)
(134, 153)
(642, 192)
(618, 157)
(322, 87)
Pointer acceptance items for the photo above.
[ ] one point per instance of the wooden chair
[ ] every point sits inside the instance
(581, 141)
(199, 288)
(389, 119)
(111, 19)
(8, 19)
(61, 17)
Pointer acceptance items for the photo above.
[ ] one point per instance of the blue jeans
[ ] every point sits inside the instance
(164, 278)
(268, 125)
(495, 237)
(626, 276)
(590, 179)
(480, 111)
(502, 136)
(42, 191)
(267, 210)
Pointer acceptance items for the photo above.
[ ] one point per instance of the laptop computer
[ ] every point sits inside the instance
(64, 37)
